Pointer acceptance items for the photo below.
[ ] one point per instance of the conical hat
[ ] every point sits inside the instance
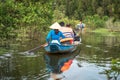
(55, 26)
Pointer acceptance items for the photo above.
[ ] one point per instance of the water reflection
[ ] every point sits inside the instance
(113, 71)
(6, 67)
(21, 67)
(98, 59)
(57, 64)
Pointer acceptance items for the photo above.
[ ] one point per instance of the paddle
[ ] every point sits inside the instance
(29, 51)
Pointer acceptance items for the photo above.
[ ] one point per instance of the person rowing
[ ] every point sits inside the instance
(54, 34)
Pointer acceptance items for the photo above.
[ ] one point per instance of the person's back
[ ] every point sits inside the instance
(54, 34)
(80, 25)
(67, 31)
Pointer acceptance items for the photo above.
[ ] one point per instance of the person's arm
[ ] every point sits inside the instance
(61, 35)
(74, 33)
(48, 38)
(83, 25)
(78, 26)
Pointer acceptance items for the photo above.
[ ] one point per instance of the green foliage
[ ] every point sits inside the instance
(38, 15)
(81, 8)
(113, 25)
(95, 21)
(58, 15)
(17, 14)
(8, 20)
(2, 51)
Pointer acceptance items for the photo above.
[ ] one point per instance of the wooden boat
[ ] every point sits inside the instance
(65, 47)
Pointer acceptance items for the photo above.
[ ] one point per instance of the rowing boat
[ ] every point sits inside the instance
(65, 47)
(56, 48)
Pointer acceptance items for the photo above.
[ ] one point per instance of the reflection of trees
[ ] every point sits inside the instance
(112, 41)
(21, 67)
(6, 68)
(97, 39)
(100, 50)
(102, 46)
(113, 44)
(114, 71)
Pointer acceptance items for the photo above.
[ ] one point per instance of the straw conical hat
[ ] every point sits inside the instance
(55, 26)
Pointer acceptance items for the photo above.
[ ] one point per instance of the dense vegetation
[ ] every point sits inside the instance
(29, 17)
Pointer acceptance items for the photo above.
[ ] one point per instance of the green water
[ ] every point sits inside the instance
(96, 58)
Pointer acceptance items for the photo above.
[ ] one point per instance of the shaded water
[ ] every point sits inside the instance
(96, 58)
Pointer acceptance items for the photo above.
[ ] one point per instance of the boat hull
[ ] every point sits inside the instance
(56, 48)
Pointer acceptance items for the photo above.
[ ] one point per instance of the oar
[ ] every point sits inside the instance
(29, 51)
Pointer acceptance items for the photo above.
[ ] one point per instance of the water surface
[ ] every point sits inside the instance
(96, 58)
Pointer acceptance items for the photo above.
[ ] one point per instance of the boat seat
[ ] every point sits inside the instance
(54, 47)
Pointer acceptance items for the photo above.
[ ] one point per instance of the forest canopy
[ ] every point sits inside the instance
(29, 16)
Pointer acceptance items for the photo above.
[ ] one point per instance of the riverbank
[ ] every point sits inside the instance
(105, 32)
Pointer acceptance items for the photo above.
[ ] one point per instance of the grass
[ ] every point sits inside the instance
(105, 32)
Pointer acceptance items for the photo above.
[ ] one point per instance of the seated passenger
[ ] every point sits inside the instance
(67, 31)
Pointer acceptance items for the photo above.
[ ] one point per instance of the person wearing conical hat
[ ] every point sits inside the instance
(54, 35)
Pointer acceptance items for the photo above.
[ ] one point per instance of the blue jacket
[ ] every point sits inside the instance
(52, 36)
